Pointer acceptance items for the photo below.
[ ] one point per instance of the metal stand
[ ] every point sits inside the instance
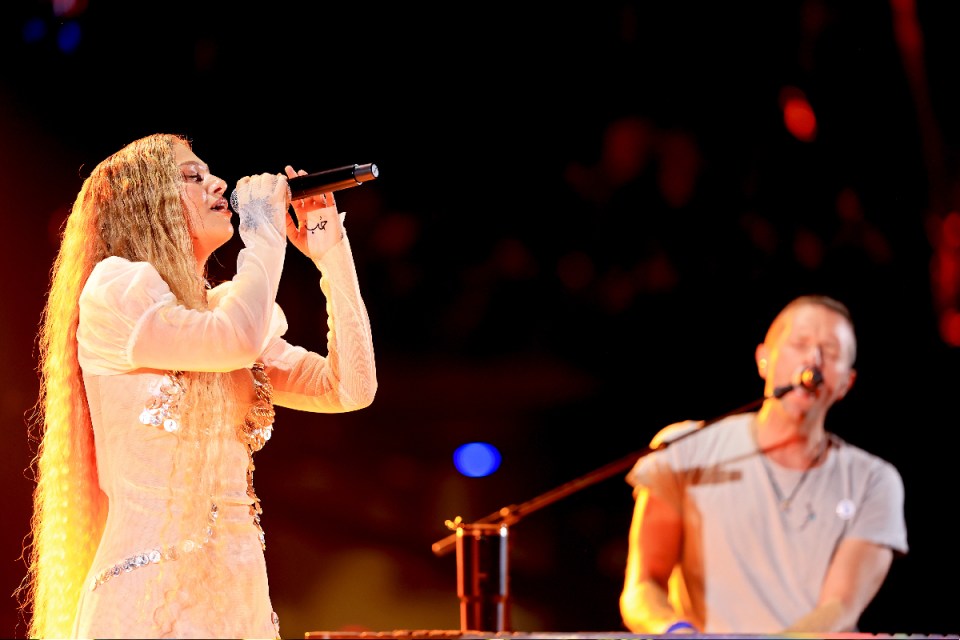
(482, 547)
(483, 584)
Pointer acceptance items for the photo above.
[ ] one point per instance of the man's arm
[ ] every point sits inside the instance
(853, 579)
(656, 537)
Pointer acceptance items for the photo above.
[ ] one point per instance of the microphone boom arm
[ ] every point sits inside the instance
(513, 513)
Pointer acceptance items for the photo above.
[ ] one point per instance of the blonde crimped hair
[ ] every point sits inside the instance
(130, 206)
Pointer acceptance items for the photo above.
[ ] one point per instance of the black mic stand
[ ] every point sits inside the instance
(483, 584)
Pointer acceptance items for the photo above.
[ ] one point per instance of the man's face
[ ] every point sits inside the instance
(809, 335)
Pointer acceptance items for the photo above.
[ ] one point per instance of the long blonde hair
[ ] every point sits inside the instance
(130, 206)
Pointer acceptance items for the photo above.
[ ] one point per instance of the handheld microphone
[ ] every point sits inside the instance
(313, 184)
(808, 378)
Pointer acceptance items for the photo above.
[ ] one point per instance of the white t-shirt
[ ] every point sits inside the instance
(747, 565)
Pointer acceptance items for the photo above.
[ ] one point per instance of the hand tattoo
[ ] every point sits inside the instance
(255, 213)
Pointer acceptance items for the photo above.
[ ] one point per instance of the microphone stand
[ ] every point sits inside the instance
(481, 547)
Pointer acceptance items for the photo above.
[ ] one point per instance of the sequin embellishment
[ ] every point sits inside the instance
(162, 409)
(256, 429)
(157, 554)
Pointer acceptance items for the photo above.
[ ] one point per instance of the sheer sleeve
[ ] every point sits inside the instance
(129, 318)
(345, 378)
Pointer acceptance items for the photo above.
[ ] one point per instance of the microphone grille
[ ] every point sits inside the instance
(811, 378)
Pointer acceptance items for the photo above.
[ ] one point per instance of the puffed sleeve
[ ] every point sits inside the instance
(129, 319)
(345, 379)
(116, 296)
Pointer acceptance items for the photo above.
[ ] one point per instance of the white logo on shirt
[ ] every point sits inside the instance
(846, 509)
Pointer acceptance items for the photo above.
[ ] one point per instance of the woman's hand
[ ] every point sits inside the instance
(261, 199)
(318, 224)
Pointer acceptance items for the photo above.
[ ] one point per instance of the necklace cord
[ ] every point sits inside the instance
(786, 502)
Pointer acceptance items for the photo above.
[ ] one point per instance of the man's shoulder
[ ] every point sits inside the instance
(714, 431)
(673, 432)
(858, 457)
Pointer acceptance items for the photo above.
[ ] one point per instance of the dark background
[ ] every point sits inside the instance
(586, 216)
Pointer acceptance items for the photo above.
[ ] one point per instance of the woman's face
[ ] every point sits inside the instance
(208, 214)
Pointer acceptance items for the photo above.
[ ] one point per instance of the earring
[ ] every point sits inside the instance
(763, 363)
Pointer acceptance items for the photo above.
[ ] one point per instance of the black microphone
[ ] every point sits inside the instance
(808, 378)
(313, 184)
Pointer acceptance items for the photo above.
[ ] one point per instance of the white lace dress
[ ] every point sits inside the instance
(133, 339)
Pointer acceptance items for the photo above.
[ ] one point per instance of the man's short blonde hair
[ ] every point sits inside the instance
(814, 300)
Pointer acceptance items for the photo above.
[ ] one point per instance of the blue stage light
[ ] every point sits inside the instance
(476, 459)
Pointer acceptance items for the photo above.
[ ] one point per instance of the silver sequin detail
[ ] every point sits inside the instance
(162, 409)
(155, 555)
